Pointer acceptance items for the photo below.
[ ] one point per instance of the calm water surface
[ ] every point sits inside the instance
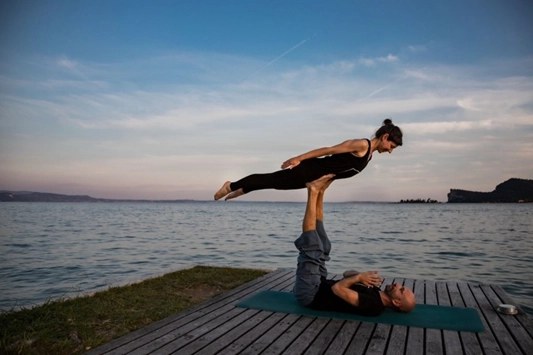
(50, 250)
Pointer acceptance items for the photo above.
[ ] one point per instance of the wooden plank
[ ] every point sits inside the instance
(361, 339)
(198, 334)
(260, 344)
(502, 335)
(244, 330)
(188, 333)
(302, 342)
(249, 330)
(469, 340)
(322, 342)
(159, 337)
(451, 340)
(217, 300)
(398, 335)
(245, 339)
(240, 327)
(416, 336)
(434, 344)
(397, 340)
(520, 335)
(201, 337)
(278, 346)
(486, 339)
(378, 342)
(343, 338)
(522, 316)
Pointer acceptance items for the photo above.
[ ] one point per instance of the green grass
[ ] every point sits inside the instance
(73, 326)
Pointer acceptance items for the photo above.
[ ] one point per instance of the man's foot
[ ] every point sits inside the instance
(321, 183)
(234, 194)
(349, 273)
(224, 190)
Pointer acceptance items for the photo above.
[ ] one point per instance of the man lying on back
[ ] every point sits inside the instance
(357, 292)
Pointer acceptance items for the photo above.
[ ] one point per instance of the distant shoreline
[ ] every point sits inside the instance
(31, 196)
(513, 190)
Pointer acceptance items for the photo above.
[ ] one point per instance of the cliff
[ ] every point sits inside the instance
(512, 190)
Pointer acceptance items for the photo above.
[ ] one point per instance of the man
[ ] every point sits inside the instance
(357, 292)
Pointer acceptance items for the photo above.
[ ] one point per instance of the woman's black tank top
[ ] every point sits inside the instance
(343, 165)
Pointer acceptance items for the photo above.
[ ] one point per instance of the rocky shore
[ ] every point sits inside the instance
(513, 190)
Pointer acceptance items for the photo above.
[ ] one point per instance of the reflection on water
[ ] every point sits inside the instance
(51, 250)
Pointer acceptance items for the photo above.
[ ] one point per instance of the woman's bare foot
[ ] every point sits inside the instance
(320, 184)
(234, 194)
(224, 190)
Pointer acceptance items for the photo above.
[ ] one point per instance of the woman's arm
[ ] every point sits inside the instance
(354, 146)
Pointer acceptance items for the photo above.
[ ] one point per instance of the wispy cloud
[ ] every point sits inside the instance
(416, 48)
(445, 111)
(67, 63)
(276, 59)
(370, 62)
(389, 58)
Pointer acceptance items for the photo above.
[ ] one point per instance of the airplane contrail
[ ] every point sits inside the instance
(402, 78)
(275, 59)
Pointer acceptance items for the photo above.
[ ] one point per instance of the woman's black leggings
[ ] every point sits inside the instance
(288, 179)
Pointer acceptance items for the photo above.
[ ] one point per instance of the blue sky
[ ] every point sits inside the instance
(169, 99)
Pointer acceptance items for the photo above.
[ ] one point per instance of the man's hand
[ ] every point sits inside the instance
(369, 278)
(342, 288)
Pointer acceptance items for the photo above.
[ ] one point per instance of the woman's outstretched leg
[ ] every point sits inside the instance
(288, 179)
(234, 194)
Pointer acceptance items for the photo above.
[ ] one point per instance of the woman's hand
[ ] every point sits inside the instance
(291, 163)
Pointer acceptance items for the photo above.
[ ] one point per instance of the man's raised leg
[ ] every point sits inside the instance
(326, 244)
(312, 257)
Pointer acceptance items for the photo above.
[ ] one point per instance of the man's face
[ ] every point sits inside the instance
(402, 297)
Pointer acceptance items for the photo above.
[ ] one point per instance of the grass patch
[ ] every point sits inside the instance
(73, 326)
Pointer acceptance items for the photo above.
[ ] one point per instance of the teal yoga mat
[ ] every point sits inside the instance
(423, 316)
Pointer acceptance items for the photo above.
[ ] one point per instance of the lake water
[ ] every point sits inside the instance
(51, 250)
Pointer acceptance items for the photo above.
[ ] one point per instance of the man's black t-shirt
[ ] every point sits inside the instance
(370, 304)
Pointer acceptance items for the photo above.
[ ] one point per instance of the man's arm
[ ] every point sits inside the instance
(342, 288)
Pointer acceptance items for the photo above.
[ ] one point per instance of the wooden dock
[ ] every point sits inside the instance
(218, 327)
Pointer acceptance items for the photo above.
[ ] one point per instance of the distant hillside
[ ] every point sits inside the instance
(512, 190)
(29, 196)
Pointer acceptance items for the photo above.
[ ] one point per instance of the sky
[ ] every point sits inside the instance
(161, 99)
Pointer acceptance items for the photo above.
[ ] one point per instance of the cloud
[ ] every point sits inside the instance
(389, 58)
(193, 117)
(67, 63)
(417, 48)
(370, 62)
(430, 128)
(335, 91)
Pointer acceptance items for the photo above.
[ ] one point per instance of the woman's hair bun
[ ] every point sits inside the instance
(394, 132)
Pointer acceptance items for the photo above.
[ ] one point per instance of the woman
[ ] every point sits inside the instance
(344, 160)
